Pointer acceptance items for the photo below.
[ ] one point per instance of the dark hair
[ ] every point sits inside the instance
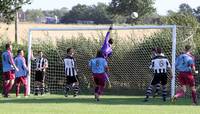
(99, 53)
(159, 50)
(39, 52)
(8, 45)
(68, 49)
(19, 51)
(110, 41)
(153, 49)
(187, 47)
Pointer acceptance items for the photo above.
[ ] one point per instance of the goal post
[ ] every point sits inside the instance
(171, 27)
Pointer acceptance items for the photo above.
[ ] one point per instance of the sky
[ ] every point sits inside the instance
(162, 6)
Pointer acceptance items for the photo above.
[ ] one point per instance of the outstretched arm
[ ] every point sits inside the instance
(108, 34)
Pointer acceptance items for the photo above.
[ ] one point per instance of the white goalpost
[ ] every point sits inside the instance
(173, 45)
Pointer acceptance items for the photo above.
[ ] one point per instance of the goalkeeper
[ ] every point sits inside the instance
(106, 50)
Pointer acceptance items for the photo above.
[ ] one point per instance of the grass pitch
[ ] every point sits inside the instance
(58, 104)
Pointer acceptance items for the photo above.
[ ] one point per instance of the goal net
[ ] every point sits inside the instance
(129, 64)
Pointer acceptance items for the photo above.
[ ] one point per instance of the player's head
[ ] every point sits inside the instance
(99, 53)
(20, 52)
(110, 41)
(153, 52)
(153, 49)
(40, 53)
(8, 46)
(70, 51)
(159, 50)
(188, 48)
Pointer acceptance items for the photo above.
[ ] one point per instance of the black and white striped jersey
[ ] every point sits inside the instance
(41, 62)
(70, 66)
(159, 64)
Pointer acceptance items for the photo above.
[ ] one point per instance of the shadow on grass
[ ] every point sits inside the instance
(86, 100)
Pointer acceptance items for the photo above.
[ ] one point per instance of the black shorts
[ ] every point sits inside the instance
(72, 79)
(159, 78)
(40, 76)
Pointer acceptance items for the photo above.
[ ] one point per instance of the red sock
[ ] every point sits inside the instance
(6, 86)
(180, 93)
(25, 90)
(17, 89)
(194, 96)
(101, 90)
(3, 86)
(10, 87)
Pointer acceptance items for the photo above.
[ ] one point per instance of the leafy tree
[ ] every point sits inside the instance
(56, 12)
(80, 12)
(97, 13)
(197, 13)
(34, 14)
(181, 19)
(126, 7)
(185, 8)
(170, 12)
(9, 7)
(100, 13)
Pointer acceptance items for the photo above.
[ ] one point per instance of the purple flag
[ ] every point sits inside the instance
(106, 47)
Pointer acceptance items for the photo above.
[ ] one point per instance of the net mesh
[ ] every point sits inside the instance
(129, 64)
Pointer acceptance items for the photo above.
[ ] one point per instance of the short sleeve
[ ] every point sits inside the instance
(191, 62)
(89, 63)
(177, 61)
(151, 65)
(105, 63)
(168, 64)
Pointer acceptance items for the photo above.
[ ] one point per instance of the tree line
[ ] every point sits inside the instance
(117, 11)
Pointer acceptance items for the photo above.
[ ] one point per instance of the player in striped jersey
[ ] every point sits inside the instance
(9, 68)
(160, 65)
(21, 75)
(185, 65)
(99, 67)
(41, 66)
(157, 86)
(71, 73)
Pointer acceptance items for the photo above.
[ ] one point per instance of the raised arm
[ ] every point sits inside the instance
(108, 35)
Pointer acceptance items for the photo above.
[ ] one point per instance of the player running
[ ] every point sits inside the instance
(9, 68)
(21, 75)
(99, 67)
(186, 67)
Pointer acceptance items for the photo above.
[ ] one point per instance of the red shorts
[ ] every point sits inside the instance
(100, 79)
(186, 78)
(10, 75)
(21, 80)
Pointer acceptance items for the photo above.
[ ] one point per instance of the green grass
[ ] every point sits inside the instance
(58, 104)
